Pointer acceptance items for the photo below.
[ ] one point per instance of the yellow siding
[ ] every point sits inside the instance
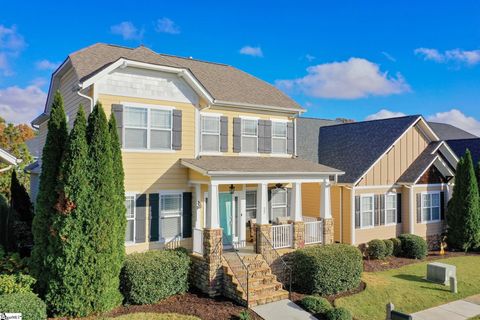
(405, 209)
(346, 215)
(335, 195)
(311, 199)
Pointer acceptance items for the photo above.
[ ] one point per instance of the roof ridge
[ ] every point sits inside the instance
(166, 56)
(474, 138)
(367, 121)
(314, 118)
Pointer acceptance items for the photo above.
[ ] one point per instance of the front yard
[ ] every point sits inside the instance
(406, 288)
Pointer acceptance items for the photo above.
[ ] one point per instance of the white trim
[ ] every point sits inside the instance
(257, 106)
(430, 193)
(429, 185)
(197, 132)
(210, 153)
(161, 193)
(243, 135)
(134, 195)
(249, 117)
(146, 105)
(219, 134)
(283, 138)
(371, 196)
(391, 186)
(9, 158)
(249, 154)
(280, 120)
(148, 150)
(213, 114)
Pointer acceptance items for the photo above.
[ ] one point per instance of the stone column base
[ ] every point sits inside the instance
(264, 233)
(328, 231)
(298, 234)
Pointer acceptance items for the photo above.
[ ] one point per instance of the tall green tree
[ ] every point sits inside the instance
(102, 221)
(69, 292)
(463, 216)
(47, 197)
(22, 216)
(4, 215)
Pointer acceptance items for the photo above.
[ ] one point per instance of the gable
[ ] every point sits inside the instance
(432, 176)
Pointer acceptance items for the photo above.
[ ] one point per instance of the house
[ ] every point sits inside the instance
(460, 146)
(398, 176)
(209, 154)
(8, 159)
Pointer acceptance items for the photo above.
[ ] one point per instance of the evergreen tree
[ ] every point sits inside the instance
(47, 197)
(4, 212)
(22, 216)
(463, 216)
(101, 220)
(69, 292)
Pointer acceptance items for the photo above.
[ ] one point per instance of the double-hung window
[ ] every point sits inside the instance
(130, 214)
(279, 137)
(171, 216)
(210, 133)
(147, 128)
(391, 208)
(430, 206)
(366, 211)
(251, 204)
(278, 203)
(249, 135)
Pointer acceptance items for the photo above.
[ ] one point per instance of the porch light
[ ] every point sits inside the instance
(279, 186)
(232, 188)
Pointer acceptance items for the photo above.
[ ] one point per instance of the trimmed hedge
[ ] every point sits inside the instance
(376, 249)
(388, 247)
(413, 246)
(339, 314)
(316, 305)
(16, 283)
(397, 247)
(155, 275)
(28, 304)
(327, 269)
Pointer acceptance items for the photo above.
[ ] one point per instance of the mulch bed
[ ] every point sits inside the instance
(297, 296)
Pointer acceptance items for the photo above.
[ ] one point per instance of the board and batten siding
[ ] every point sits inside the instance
(311, 198)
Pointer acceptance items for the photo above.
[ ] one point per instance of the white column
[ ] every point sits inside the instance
(411, 210)
(213, 219)
(296, 202)
(262, 203)
(325, 201)
(198, 201)
(352, 215)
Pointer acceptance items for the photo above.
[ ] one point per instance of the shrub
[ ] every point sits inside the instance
(316, 305)
(28, 304)
(151, 276)
(388, 247)
(339, 314)
(20, 283)
(397, 247)
(244, 315)
(326, 269)
(413, 246)
(376, 249)
(11, 263)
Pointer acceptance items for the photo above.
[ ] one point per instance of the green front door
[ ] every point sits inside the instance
(225, 203)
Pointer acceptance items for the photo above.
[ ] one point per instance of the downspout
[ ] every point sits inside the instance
(79, 89)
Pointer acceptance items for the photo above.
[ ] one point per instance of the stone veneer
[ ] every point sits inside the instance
(298, 234)
(328, 231)
(261, 244)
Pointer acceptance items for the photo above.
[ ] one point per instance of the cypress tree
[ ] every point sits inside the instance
(22, 215)
(463, 216)
(69, 292)
(47, 197)
(101, 219)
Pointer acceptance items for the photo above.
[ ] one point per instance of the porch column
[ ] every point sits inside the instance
(213, 219)
(262, 203)
(326, 212)
(296, 202)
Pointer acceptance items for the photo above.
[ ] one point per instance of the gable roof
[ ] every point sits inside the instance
(421, 164)
(447, 131)
(223, 82)
(460, 146)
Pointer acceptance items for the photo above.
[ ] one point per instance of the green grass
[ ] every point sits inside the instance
(408, 291)
(154, 316)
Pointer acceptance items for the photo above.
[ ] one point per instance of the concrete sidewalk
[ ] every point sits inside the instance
(456, 310)
(283, 309)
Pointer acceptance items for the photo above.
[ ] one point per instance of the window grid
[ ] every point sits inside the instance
(279, 206)
(430, 207)
(205, 132)
(367, 209)
(250, 133)
(130, 215)
(391, 208)
(251, 204)
(279, 137)
(171, 208)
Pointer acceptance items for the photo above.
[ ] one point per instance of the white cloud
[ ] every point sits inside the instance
(309, 57)
(352, 79)
(252, 51)
(46, 65)
(21, 105)
(389, 56)
(457, 118)
(11, 45)
(127, 30)
(468, 57)
(384, 114)
(166, 25)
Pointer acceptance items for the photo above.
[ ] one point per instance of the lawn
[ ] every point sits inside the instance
(408, 291)
(153, 316)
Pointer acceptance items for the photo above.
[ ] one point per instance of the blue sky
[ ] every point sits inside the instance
(347, 59)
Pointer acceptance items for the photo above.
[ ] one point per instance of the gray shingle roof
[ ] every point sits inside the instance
(354, 147)
(460, 146)
(222, 81)
(420, 164)
(448, 132)
(241, 165)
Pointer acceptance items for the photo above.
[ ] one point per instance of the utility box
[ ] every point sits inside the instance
(440, 272)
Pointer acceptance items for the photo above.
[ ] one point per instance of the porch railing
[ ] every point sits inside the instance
(282, 236)
(198, 241)
(313, 232)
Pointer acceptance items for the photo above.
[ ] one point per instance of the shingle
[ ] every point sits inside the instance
(222, 81)
(448, 132)
(460, 146)
(420, 164)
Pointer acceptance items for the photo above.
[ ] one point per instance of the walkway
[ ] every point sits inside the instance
(283, 309)
(457, 310)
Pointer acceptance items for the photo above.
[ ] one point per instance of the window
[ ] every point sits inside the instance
(279, 137)
(391, 208)
(430, 206)
(279, 203)
(170, 216)
(147, 128)
(130, 206)
(210, 133)
(249, 135)
(251, 204)
(366, 211)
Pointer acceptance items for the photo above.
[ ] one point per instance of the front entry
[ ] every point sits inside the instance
(228, 221)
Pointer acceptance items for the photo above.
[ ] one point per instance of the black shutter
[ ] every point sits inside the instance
(376, 209)
(140, 215)
(442, 205)
(419, 207)
(117, 111)
(357, 212)
(153, 200)
(237, 135)
(223, 134)
(267, 138)
(187, 215)
(269, 204)
(399, 208)
(177, 130)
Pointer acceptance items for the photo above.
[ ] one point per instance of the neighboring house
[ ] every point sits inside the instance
(447, 131)
(207, 151)
(8, 159)
(460, 146)
(398, 176)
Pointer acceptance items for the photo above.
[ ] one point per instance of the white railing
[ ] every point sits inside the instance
(309, 219)
(282, 236)
(313, 232)
(198, 241)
